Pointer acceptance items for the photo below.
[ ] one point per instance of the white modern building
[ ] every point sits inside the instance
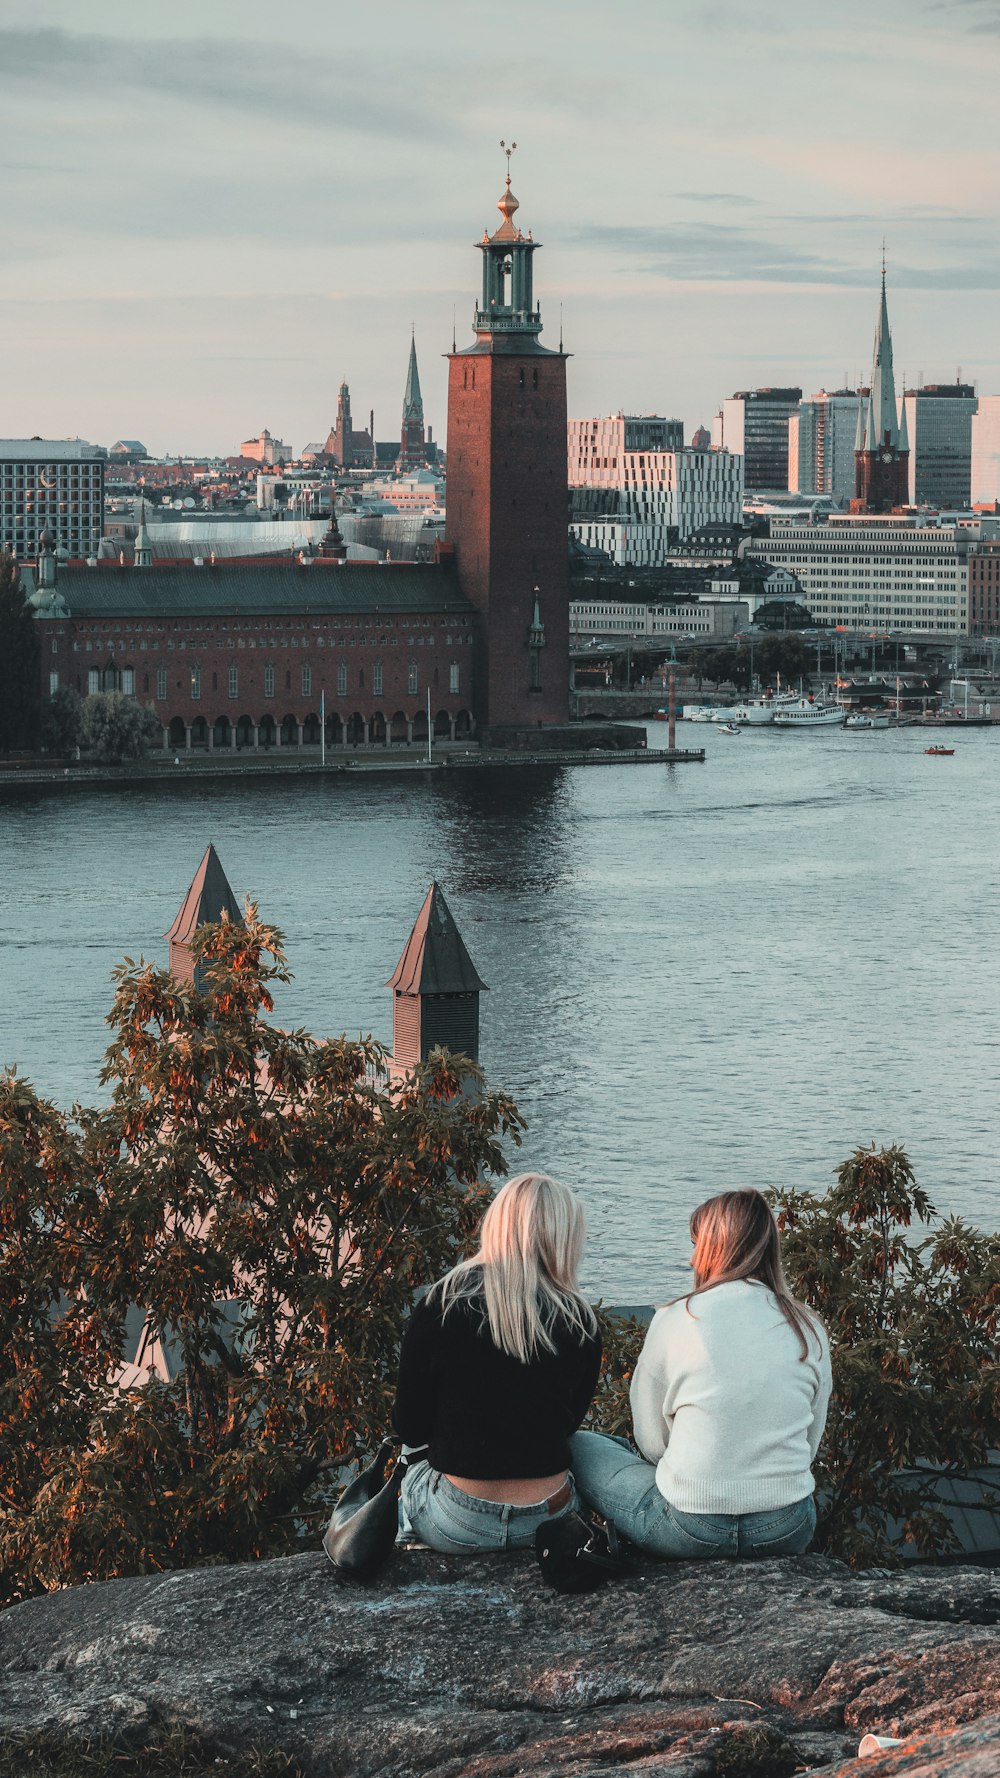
(877, 571)
(821, 442)
(55, 484)
(603, 618)
(986, 452)
(939, 421)
(635, 489)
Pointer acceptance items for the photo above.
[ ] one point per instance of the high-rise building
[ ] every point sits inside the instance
(412, 447)
(753, 425)
(54, 483)
(939, 427)
(507, 489)
(635, 489)
(821, 440)
(985, 432)
(881, 455)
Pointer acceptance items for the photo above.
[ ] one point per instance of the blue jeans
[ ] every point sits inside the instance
(622, 1486)
(448, 1520)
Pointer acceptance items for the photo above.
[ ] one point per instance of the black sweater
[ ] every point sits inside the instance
(484, 1415)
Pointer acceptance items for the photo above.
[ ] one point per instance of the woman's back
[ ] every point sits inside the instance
(724, 1403)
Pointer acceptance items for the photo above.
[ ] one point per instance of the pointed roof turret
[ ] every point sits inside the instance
(859, 435)
(883, 400)
(143, 547)
(904, 434)
(208, 898)
(435, 960)
(413, 406)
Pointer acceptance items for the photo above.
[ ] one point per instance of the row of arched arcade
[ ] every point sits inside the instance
(265, 732)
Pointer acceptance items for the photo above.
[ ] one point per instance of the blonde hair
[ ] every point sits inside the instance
(524, 1270)
(735, 1236)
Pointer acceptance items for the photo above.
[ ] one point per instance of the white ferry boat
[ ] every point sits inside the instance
(868, 719)
(806, 713)
(752, 712)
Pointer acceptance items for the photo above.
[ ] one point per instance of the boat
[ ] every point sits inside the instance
(756, 712)
(729, 728)
(940, 752)
(806, 713)
(868, 719)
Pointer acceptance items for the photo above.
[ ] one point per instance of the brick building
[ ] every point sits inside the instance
(507, 491)
(240, 653)
(984, 589)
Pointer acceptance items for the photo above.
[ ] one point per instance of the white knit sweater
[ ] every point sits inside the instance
(724, 1405)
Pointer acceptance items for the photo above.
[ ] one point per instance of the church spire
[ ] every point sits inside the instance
(412, 443)
(413, 406)
(884, 423)
(881, 461)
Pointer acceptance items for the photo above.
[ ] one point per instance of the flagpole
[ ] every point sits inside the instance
(322, 728)
(428, 725)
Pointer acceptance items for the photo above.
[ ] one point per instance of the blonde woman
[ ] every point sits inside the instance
(498, 1367)
(729, 1401)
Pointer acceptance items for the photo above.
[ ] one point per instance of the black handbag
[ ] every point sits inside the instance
(577, 1553)
(362, 1530)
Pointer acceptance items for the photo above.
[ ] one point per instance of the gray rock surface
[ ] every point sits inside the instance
(474, 1669)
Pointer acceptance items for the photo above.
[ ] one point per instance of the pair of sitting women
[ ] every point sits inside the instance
(499, 1365)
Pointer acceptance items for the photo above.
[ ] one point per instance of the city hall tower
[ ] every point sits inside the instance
(507, 516)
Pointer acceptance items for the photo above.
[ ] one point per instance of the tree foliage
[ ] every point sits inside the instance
(116, 727)
(19, 662)
(270, 1203)
(62, 720)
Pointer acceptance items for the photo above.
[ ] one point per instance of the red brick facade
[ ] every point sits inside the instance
(984, 590)
(507, 519)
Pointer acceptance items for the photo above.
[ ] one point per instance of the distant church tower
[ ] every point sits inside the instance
(339, 443)
(412, 451)
(881, 453)
(507, 514)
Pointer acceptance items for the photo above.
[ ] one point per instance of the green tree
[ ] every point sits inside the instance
(788, 655)
(19, 662)
(116, 727)
(269, 1203)
(914, 1325)
(62, 720)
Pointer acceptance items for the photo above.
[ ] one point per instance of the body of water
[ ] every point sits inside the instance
(701, 976)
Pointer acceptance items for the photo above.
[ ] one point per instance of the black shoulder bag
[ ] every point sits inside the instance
(362, 1530)
(577, 1553)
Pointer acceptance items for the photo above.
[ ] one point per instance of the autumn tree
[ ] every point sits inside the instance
(267, 1203)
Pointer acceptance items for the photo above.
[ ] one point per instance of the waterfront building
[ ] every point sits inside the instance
(984, 588)
(635, 489)
(54, 484)
(753, 424)
(507, 489)
(601, 616)
(939, 421)
(985, 470)
(245, 653)
(874, 571)
(881, 455)
(412, 447)
(821, 442)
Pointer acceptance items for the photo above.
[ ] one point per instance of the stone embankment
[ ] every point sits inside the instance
(473, 1669)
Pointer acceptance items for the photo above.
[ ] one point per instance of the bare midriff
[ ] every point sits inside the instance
(516, 1491)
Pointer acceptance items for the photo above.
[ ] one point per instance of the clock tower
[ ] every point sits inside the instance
(881, 451)
(507, 506)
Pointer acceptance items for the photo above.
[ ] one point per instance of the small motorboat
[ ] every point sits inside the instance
(940, 752)
(729, 728)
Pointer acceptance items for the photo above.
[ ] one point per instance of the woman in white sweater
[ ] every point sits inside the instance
(729, 1401)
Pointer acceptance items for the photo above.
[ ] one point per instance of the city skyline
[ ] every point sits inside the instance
(207, 230)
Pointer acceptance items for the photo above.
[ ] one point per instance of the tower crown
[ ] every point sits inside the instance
(507, 306)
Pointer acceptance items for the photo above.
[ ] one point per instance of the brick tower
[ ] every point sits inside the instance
(507, 507)
(436, 989)
(208, 898)
(881, 449)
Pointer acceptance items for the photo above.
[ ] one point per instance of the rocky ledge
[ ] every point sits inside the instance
(474, 1669)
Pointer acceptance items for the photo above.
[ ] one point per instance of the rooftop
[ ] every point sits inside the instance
(229, 588)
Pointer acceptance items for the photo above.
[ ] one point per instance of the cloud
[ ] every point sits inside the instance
(716, 197)
(273, 81)
(982, 16)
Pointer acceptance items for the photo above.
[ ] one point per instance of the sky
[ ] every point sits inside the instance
(215, 210)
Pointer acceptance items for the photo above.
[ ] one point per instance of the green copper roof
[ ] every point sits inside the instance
(231, 588)
(413, 406)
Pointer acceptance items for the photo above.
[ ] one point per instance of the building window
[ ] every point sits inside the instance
(53, 684)
(196, 682)
(342, 679)
(161, 682)
(413, 678)
(453, 677)
(234, 682)
(307, 681)
(268, 682)
(128, 681)
(377, 679)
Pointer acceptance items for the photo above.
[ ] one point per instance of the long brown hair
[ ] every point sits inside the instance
(736, 1237)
